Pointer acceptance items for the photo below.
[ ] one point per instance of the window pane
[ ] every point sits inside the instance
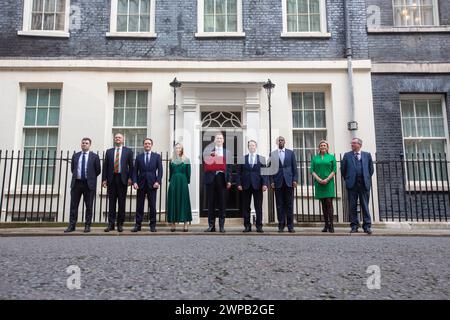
(296, 100)
(303, 23)
(59, 22)
(232, 7)
(309, 119)
(42, 117)
(53, 138)
(309, 140)
(38, 5)
(427, 17)
(36, 21)
(319, 100)
(421, 108)
(437, 127)
(320, 119)
(409, 127)
(131, 99)
(145, 24)
(145, 7)
(49, 21)
(30, 116)
(292, 23)
(315, 22)
(142, 99)
(30, 138)
(122, 23)
(423, 127)
(119, 117)
(55, 96)
(435, 108)
(61, 6)
(232, 23)
(220, 23)
(134, 7)
(50, 5)
(119, 98)
(302, 6)
(53, 117)
(141, 117)
(291, 6)
(122, 7)
(314, 6)
(130, 117)
(220, 6)
(133, 22)
(308, 100)
(32, 97)
(41, 138)
(407, 108)
(209, 6)
(43, 96)
(297, 119)
(209, 23)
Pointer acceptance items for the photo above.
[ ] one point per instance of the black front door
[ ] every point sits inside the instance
(233, 198)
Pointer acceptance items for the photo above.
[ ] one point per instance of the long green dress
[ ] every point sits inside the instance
(323, 168)
(178, 202)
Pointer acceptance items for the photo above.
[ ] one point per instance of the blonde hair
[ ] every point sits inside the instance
(175, 156)
(326, 142)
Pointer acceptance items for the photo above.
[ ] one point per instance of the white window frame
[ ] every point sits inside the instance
(201, 33)
(435, 18)
(323, 24)
(113, 23)
(415, 185)
(26, 27)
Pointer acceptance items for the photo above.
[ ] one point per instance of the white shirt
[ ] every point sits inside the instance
(252, 157)
(80, 163)
(282, 154)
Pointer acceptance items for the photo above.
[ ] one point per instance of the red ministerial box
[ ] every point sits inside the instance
(213, 163)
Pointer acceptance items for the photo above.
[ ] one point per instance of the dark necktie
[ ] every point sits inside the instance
(147, 158)
(83, 167)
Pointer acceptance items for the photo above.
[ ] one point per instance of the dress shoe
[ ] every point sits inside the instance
(247, 230)
(136, 228)
(172, 230)
(109, 228)
(325, 229)
(70, 228)
(368, 231)
(152, 229)
(291, 231)
(120, 228)
(280, 230)
(331, 229)
(222, 230)
(354, 230)
(185, 230)
(259, 230)
(87, 228)
(211, 229)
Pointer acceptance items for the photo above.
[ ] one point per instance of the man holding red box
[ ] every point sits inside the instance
(217, 179)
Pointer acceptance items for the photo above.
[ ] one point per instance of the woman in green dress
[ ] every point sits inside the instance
(178, 202)
(323, 169)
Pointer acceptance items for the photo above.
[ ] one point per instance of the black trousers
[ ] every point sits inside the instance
(150, 193)
(246, 201)
(79, 189)
(215, 193)
(117, 193)
(284, 198)
(359, 191)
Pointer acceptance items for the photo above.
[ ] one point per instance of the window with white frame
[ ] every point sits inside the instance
(132, 17)
(220, 17)
(46, 17)
(425, 137)
(309, 127)
(130, 117)
(40, 135)
(304, 16)
(415, 13)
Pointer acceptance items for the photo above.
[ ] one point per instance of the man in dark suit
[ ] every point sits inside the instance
(357, 170)
(217, 179)
(284, 181)
(117, 171)
(85, 168)
(147, 175)
(251, 182)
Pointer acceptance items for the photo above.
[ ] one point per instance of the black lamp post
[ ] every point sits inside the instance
(175, 84)
(269, 85)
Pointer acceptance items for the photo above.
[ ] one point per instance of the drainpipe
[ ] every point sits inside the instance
(352, 124)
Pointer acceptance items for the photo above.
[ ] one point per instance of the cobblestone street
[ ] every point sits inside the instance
(225, 267)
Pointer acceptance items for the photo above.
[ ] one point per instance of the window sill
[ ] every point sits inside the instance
(432, 29)
(220, 35)
(306, 35)
(148, 35)
(41, 33)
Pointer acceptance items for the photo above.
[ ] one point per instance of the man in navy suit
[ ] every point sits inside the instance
(251, 182)
(147, 175)
(217, 179)
(357, 170)
(85, 168)
(284, 181)
(117, 171)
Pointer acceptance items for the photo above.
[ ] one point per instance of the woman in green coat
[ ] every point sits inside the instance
(178, 202)
(323, 169)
